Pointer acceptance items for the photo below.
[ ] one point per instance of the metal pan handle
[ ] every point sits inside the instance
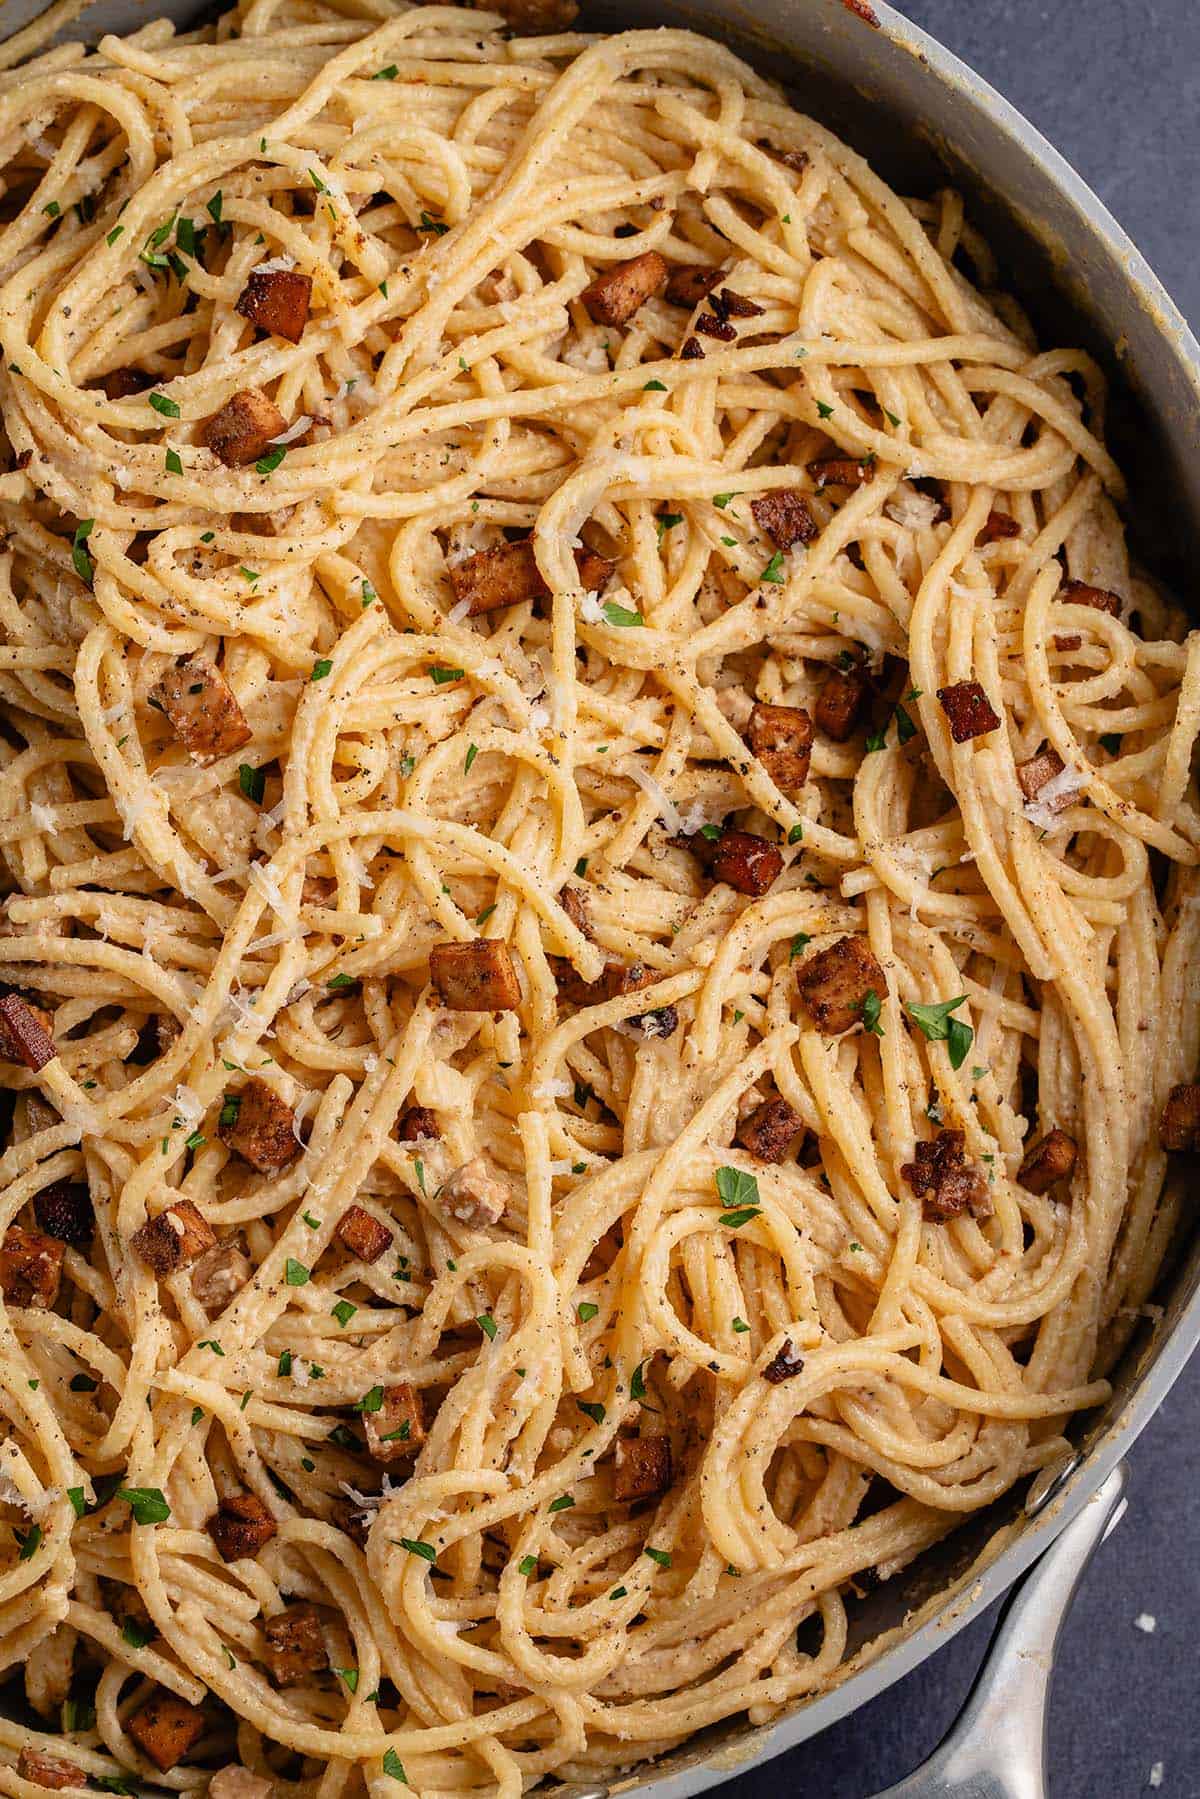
(997, 1748)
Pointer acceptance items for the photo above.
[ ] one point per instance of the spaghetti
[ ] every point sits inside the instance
(540, 495)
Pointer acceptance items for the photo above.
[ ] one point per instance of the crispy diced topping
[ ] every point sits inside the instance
(713, 326)
(689, 286)
(1179, 1127)
(835, 984)
(770, 1130)
(745, 862)
(49, 1770)
(219, 1275)
(615, 980)
(241, 1526)
(64, 1210)
(397, 1429)
(781, 737)
(509, 575)
(165, 1728)
(236, 1782)
(260, 1126)
(475, 977)
(30, 1267)
(841, 471)
(25, 1033)
(175, 1239)
(243, 429)
(614, 297)
(968, 709)
(692, 351)
(785, 1364)
(946, 1181)
(277, 300)
(355, 1520)
(784, 515)
(1081, 593)
(840, 702)
(418, 1125)
(641, 1468)
(997, 525)
(534, 18)
(294, 1645)
(728, 305)
(202, 709)
(475, 1195)
(364, 1236)
(796, 160)
(663, 1021)
(573, 901)
(1034, 774)
(1047, 1161)
(121, 384)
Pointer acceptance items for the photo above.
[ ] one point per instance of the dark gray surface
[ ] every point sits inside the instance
(1115, 86)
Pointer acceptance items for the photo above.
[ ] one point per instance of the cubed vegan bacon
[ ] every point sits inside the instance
(242, 430)
(475, 1194)
(277, 300)
(202, 709)
(1082, 593)
(1034, 774)
(840, 702)
(689, 286)
(364, 1236)
(1052, 1158)
(417, 1125)
(945, 1180)
(64, 1210)
(614, 980)
(397, 1429)
(241, 1526)
(781, 737)
(770, 1130)
(785, 516)
(574, 903)
(534, 18)
(968, 710)
(49, 1770)
(121, 384)
(785, 1364)
(295, 1645)
(475, 977)
(166, 1728)
(841, 471)
(30, 1267)
(219, 1275)
(260, 1126)
(641, 1468)
(25, 1033)
(729, 305)
(613, 297)
(1179, 1127)
(509, 575)
(175, 1239)
(834, 984)
(743, 861)
(692, 351)
(998, 525)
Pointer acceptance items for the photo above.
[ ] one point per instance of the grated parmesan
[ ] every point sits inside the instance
(668, 812)
(1053, 796)
(296, 429)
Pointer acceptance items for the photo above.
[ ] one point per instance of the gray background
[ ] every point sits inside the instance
(1114, 85)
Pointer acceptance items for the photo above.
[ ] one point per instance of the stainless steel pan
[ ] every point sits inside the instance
(924, 118)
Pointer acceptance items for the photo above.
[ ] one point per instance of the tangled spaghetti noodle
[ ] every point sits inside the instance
(810, 1360)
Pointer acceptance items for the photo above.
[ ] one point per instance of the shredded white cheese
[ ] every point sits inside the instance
(1053, 796)
(1146, 1622)
(296, 429)
(275, 265)
(667, 809)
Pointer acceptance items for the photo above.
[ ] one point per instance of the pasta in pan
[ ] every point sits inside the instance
(601, 913)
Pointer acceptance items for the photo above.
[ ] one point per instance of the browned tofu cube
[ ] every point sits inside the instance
(785, 1364)
(574, 903)
(615, 980)
(241, 1526)
(689, 286)
(175, 1239)
(295, 1645)
(840, 702)
(784, 516)
(25, 1033)
(202, 709)
(363, 1235)
(277, 301)
(968, 709)
(536, 18)
(998, 525)
(30, 1267)
(418, 1125)
(242, 430)
(1179, 1127)
(121, 384)
(692, 351)
(397, 1429)
(219, 1275)
(613, 297)
(165, 1728)
(1081, 593)
(946, 1181)
(1047, 1161)
(475, 1195)
(509, 575)
(475, 977)
(782, 737)
(641, 1468)
(841, 471)
(1034, 774)
(49, 1771)
(834, 984)
(770, 1130)
(64, 1210)
(595, 570)
(747, 863)
(260, 1126)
